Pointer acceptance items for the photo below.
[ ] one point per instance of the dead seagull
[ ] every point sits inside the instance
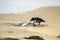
(28, 23)
(37, 19)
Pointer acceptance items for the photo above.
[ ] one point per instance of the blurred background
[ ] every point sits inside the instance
(14, 6)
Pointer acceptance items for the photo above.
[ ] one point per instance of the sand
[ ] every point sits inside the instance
(48, 30)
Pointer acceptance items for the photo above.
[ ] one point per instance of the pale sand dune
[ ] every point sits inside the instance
(48, 30)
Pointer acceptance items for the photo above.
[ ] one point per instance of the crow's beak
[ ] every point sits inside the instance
(44, 21)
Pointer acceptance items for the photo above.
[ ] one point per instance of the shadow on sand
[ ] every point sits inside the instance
(9, 39)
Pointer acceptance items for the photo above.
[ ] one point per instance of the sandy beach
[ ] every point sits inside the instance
(48, 30)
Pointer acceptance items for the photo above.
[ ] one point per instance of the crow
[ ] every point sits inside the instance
(37, 20)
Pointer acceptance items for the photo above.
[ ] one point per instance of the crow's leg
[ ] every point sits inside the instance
(38, 24)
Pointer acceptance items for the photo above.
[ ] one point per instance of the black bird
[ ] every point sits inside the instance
(37, 19)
